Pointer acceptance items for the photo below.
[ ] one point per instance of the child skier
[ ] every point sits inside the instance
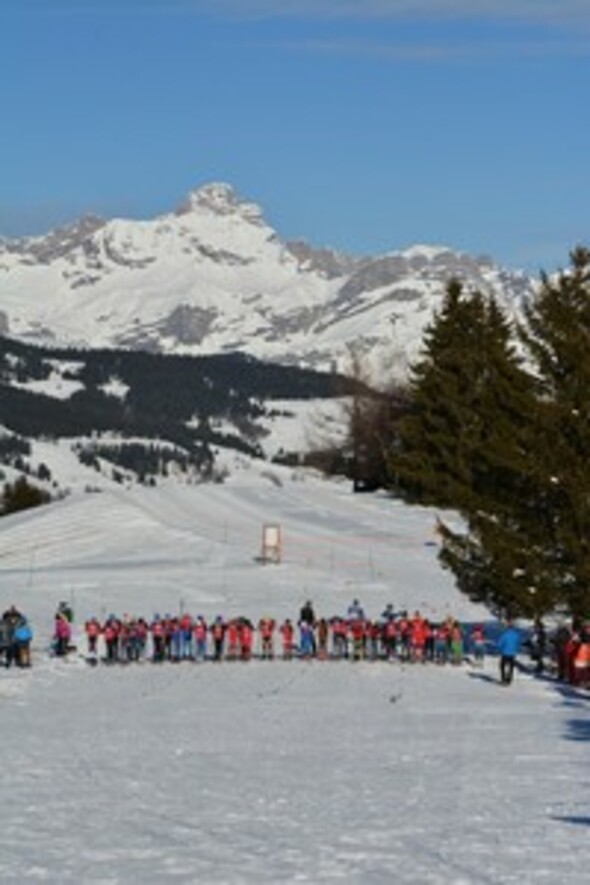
(287, 633)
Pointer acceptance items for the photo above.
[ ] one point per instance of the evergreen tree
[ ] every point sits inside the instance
(20, 495)
(509, 448)
(428, 465)
(452, 442)
(466, 446)
(556, 333)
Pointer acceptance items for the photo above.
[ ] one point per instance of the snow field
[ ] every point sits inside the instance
(299, 772)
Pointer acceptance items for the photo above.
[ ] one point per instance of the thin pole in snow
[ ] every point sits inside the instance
(31, 562)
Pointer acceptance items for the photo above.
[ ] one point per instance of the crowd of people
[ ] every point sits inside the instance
(394, 635)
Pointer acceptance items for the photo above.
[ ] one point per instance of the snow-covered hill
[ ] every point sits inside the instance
(270, 772)
(213, 276)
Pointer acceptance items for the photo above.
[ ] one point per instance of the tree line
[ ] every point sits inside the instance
(495, 426)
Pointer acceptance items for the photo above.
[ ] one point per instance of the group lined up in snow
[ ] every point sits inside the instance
(352, 636)
(392, 636)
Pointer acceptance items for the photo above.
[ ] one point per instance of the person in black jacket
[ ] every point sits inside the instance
(538, 645)
(5, 641)
(10, 619)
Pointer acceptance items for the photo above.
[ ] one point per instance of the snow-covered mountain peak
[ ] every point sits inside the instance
(423, 252)
(214, 277)
(221, 199)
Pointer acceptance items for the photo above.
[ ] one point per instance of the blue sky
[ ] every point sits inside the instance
(364, 125)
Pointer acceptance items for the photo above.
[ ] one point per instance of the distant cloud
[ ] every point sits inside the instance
(560, 12)
(553, 12)
(474, 50)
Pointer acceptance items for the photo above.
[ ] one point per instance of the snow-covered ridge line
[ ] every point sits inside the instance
(213, 276)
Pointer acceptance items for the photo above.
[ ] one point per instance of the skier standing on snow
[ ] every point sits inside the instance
(266, 628)
(287, 632)
(62, 634)
(538, 645)
(478, 642)
(246, 639)
(10, 619)
(306, 640)
(7, 625)
(323, 636)
(186, 625)
(562, 637)
(157, 631)
(217, 630)
(200, 634)
(509, 647)
(307, 618)
(355, 610)
(92, 629)
(22, 638)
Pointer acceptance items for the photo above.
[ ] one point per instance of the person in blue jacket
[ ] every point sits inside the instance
(509, 647)
(21, 638)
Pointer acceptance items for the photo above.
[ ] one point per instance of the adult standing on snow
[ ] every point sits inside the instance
(7, 647)
(10, 619)
(22, 638)
(307, 619)
(355, 610)
(509, 647)
(307, 614)
(538, 645)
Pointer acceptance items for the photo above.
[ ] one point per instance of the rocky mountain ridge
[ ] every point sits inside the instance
(214, 277)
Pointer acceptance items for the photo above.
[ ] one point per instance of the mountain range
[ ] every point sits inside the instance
(213, 277)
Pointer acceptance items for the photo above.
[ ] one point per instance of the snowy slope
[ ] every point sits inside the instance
(270, 772)
(214, 276)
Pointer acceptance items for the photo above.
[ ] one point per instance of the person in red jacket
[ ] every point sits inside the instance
(110, 631)
(287, 632)
(357, 632)
(340, 638)
(418, 637)
(571, 651)
(266, 628)
(581, 660)
(233, 639)
(62, 634)
(374, 634)
(390, 638)
(200, 634)
(186, 627)
(246, 639)
(92, 630)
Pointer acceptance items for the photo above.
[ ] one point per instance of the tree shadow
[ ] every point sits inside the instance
(578, 730)
(571, 695)
(581, 820)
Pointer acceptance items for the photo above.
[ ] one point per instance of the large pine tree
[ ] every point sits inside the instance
(466, 446)
(432, 463)
(508, 447)
(556, 333)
